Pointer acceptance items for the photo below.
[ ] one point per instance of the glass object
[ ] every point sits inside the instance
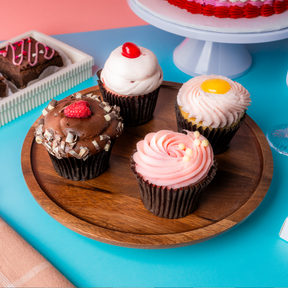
(277, 137)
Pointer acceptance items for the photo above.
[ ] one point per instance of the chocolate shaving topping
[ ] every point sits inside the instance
(41, 121)
(78, 95)
(48, 135)
(107, 108)
(84, 151)
(107, 146)
(52, 104)
(104, 137)
(117, 109)
(39, 139)
(71, 137)
(96, 145)
(111, 116)
(62, 146)
(73, 153)
(58, 138)
(54, 144)
(102, 105)
(96, 97)
(120, 127)
(45, 111)
(71, 145)
(39, 130)
(47, 146)
(55, 114)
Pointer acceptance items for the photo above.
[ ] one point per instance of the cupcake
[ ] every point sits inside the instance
(172, 170)
(79, 132)
(131, 79)
(213, 105)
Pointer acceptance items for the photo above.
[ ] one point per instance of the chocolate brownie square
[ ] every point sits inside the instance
(25, 60)
(3, 88)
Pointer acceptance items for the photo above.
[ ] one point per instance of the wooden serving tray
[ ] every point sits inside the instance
(109, 209)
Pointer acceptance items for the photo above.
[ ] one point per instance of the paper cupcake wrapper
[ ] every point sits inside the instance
(135, 110)
(80, 170)
(172, 203)
(219, 138)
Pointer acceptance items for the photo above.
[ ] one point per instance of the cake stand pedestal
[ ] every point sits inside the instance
(209, 52)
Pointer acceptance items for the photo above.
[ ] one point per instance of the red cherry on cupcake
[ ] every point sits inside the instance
(79, 109)
(130, 50)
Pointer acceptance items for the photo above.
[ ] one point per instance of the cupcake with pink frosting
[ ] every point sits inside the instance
(213, 105)
(131, 79)
(172, 170)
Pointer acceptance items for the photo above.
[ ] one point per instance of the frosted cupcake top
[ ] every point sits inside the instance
(132, 70)
(216, 101)
(173, 159)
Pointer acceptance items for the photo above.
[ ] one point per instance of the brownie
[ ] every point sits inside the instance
(3, 88)
(20, 68)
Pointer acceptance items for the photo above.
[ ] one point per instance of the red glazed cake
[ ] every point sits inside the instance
(234, 9)
(24, 61)
(79, 132)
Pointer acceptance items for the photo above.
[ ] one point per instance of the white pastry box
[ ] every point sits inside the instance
(79, 70)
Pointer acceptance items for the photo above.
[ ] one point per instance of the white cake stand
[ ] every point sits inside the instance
(209, 52)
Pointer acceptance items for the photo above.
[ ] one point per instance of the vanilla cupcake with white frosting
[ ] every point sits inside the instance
(131, 79)
(213, 105)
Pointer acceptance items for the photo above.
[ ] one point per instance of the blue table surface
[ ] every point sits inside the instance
(250, 255)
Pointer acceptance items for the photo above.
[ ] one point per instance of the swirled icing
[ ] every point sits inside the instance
(160, 160)
(214, 110)
(132, 76)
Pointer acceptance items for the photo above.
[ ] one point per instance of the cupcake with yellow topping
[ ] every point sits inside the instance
(213, 105)
(172, 170)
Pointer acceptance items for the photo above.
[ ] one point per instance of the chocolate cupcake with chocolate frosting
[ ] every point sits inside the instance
(78, 133)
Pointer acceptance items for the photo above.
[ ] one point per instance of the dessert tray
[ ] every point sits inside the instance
(109, 209)
(51, 86)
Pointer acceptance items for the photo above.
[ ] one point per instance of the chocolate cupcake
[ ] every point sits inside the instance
(213, 105)
(131, 79)
(172, 170)
(78, 133)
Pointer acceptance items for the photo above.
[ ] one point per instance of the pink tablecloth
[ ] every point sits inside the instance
(22, 266)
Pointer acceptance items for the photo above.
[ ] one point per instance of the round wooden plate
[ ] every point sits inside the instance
(109, 208)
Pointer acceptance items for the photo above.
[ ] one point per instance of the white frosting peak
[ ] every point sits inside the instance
(132, 76)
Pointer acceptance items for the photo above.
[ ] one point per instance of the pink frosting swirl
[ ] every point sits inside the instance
(215, 110)
(160, 161)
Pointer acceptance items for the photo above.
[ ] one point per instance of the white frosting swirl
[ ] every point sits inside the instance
(214, 110)
(132, 76)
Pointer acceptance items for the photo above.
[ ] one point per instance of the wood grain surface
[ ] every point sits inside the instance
(109, 209)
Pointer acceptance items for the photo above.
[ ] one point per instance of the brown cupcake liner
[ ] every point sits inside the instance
(172, 203)
(219, 138)
(135, 110)
(80, 170)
